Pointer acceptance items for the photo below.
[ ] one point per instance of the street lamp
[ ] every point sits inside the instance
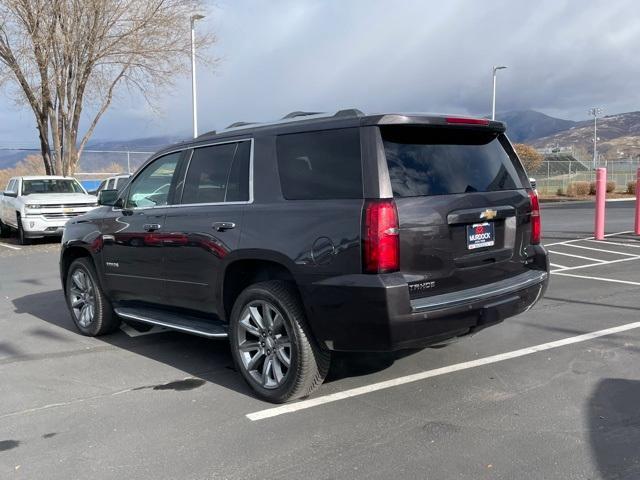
(594, 112)
(493, 109)
(193, 19)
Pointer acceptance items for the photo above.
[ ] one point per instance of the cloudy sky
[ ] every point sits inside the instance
(564, 56)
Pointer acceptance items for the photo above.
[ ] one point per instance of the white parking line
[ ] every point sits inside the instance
(577, 256)
(557, 265)
(599, 264)
(9, 246)
(612, 280)
(587, 238)
(573, 245)
(613, 243)
(354, 392)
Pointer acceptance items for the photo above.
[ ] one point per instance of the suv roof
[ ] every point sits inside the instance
(299, 121)
(44, 177)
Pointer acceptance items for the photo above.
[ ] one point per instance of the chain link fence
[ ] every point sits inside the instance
(553, 177)
(94, 165)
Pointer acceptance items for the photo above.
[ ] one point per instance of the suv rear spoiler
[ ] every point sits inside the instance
(450, 121)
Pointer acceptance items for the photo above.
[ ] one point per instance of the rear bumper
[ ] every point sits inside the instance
(374, 312)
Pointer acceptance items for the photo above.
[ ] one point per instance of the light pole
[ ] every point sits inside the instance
(595, 112)
(193, 19)
(493, 108)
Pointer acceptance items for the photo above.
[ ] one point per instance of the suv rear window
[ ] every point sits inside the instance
(320, 165)
(441, 161)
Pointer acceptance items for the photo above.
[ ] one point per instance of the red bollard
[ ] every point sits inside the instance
(601, 198)
(637, 225)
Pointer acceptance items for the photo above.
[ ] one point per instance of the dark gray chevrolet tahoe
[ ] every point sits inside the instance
(316, 233)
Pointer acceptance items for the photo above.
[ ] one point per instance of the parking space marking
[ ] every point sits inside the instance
(354, 392)
(577, 256)
(573, 245)
(599, 264)
(613, 243)
(602, 279)
(586, 238)
(9, 246)
(557, 266)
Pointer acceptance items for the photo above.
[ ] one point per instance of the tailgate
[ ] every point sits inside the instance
(463, 207)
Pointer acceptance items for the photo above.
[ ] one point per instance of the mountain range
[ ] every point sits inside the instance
(618, 137)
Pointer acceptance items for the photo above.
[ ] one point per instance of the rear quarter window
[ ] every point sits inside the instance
(440, 161)
(320, 165)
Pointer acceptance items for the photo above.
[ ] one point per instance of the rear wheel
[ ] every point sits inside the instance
(271, 344)
(90, 309)
(5, 230)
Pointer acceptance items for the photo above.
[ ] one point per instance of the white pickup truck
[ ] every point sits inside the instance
(40, 206)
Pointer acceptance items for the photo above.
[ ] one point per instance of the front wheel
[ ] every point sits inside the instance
(90, 309)
(271, 344)
(22, 237)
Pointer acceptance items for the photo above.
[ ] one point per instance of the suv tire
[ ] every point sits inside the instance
(5, 230)
(272, 341)
(90, 309)
(22, 238)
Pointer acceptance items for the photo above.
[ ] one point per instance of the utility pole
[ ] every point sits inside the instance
(595, 112)
(193, 20)
(493, 103)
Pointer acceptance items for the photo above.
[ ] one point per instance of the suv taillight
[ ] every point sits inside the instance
(536, 227)
(380, 240)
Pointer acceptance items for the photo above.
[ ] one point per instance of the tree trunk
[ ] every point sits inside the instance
(45, 148)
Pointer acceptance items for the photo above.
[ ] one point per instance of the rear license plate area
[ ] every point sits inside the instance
(481, 235)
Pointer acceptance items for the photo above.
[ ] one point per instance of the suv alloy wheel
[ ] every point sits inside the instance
(271, 343)
(90, 309)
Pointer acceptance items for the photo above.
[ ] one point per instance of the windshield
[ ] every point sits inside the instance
(51, 185)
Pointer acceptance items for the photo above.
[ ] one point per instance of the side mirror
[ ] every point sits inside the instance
(10, 194)
(108, 197)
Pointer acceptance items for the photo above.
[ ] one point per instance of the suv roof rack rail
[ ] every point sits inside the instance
(240, 124)
(211, 132)
(349, 112)
(299, 113)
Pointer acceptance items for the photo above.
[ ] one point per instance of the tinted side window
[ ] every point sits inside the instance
(217, 174)
(320, 165)
(151, 187)
(238, 184)
(439, 161)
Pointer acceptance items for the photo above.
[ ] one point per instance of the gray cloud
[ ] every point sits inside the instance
(409, 55)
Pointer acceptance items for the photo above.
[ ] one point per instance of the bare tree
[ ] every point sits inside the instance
(65, 55)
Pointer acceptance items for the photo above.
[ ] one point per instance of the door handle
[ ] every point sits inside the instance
(151, 227)
(222, 226)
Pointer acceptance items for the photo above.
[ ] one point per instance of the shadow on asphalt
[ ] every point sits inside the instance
(13, 240)
(614, 428)
(208, 360)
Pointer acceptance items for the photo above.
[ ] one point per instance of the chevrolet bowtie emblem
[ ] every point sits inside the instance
(488, 214)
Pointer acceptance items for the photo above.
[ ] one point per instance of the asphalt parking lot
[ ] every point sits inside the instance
(553, 393)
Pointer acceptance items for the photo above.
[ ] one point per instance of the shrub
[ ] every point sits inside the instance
(560, 192)
(578, 189)
(631, 188)
(611, 187)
